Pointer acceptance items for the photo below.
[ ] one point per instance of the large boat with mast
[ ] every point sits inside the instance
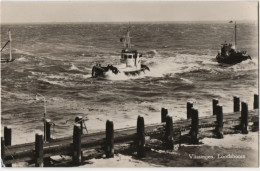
(131, 61)
(229, 54)
(11, 59)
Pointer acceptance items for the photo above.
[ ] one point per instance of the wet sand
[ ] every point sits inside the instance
(235, 150)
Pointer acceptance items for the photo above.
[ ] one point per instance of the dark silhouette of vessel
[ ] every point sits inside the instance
(229, 54)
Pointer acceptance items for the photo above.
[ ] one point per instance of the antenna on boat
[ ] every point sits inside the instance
(126, 38)
(235, 34)
(127, 43)
(10, 40)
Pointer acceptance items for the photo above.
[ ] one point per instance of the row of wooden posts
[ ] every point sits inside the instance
(192, 114)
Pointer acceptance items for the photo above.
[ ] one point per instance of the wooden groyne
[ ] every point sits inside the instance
(170, 132)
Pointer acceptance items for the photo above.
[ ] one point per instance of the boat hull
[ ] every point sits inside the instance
(6, 60)
(232, 58)
(99, 71)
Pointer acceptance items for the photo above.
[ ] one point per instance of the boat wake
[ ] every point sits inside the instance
(169, 66)
(121, 76)
(246, 65)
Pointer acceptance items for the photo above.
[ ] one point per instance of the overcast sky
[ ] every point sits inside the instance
(26, 12)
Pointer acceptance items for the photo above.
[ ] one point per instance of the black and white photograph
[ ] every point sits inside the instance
(129, 84)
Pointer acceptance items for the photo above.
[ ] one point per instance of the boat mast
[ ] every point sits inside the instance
(9, 32)
(127, 43)
(235, 33)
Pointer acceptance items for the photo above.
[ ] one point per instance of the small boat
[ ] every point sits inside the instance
(229, 54)
(131, 63)
(10, 50)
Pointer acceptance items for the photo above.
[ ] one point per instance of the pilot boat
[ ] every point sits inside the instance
(10, 50)
(131, 61)
(229, 54)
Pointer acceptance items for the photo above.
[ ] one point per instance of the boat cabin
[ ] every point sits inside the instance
(132, 59)
(227, 49)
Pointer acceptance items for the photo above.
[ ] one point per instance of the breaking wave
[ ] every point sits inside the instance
(151, 54)
(22, 59)
(73, 67)
(169, 66)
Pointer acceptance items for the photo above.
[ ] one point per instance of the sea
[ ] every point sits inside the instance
(54, 62)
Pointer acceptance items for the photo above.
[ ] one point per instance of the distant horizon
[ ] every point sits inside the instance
(131, 22)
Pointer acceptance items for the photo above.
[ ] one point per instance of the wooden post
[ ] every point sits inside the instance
(76, 145)
(180, 139)
(8, 139)
(3, 149)
(47, 130)
(8, 136)
(164, 113)
(47, 137)
(219, 125)
(140, 124)
(256, 104)
(79, 120)
(140, 137)
(236, 104)
(38, 150)
(194, 126)
(214, 104)
(189, 106)
(244, 118)
(109, 139)
(169, 133)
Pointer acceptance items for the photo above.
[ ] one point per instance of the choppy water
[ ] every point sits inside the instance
(56, 61)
